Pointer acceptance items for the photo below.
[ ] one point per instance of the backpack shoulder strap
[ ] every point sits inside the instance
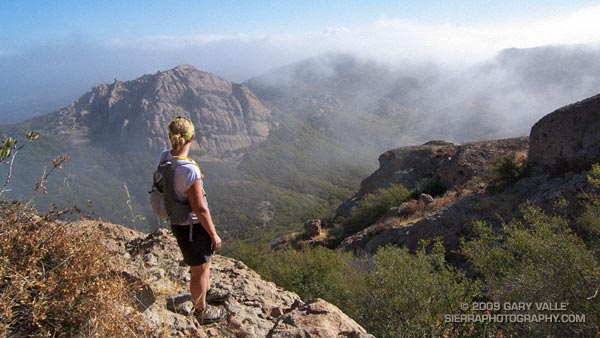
(181, 160)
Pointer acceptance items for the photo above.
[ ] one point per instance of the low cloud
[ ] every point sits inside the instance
(393, 40)
(70, 68)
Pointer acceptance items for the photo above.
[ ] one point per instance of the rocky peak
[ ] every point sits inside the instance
(134, 114)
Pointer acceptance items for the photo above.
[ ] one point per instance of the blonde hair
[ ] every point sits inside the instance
(181, 130)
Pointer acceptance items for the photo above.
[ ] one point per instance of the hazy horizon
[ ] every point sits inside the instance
(51, 53)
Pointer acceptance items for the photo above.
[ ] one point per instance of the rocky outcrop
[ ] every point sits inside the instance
(456, 220)
(563, 145)
(451, 165)
(257, 308)
(567, 139)
(134, 114)
(317, 318)
(312, 227)
(447, 224)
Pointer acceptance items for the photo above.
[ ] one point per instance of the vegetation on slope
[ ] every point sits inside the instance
(56, 280)
(424, 286)
(537, 259)
(298, 173)
(370, 208)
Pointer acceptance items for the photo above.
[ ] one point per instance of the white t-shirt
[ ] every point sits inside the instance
(185, 176)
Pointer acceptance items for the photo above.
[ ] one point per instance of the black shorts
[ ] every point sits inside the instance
(197, 252)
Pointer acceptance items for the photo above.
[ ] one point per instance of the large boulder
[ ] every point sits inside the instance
(567, 139)
(312, 227)
(317, 318)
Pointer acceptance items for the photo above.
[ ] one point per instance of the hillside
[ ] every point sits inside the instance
(559, 156)
(129, 284)
(255, 168)
(490, 222)
(379, 107)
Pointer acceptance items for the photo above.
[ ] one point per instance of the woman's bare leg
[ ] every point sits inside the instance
(199, 284)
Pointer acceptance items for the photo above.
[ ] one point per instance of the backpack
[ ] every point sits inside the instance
(162, 195)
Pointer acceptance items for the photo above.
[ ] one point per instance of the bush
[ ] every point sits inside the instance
(395, 294)
(588, 223)
(410, 294)
(312, 273)
(430, 187)
(505, 171)
(59, 281)
(372, 207)
(538, 259)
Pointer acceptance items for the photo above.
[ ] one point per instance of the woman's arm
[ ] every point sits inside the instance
(194, 195)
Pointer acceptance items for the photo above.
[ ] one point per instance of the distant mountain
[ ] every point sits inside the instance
(378, 107)
(293, 143)
(260, 170)
(133, 115)
(365, 106)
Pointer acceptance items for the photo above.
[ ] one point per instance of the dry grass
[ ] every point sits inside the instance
(324, 234)
(413, 210)
(448, 198)
(392, 222)
(56, 282)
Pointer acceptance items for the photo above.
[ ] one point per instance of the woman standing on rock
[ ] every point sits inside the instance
(190, 219)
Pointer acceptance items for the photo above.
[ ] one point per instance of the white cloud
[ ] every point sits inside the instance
(391, 40)
(178, 42)
(78, 63)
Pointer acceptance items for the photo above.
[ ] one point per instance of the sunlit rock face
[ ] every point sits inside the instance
(134, 114)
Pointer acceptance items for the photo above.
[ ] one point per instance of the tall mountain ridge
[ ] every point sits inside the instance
(133, 115)
(256, 165)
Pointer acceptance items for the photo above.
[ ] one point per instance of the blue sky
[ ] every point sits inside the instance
(25, 24)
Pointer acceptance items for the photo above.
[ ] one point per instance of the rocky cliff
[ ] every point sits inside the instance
(454, 166)
(257, 308)
(134, 114)
(562, 147)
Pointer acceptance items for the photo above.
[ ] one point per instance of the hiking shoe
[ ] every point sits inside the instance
(215, 296)
(210, 314)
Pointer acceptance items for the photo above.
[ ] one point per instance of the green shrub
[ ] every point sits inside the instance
(505, 171)
(410, 294)
(430, 187)
(588, 223)
(396, 294)
(371, 208)
(312, 272)
(537, 259)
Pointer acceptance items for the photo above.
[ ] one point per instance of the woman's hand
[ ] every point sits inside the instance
(216, 242)
(194, 194)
